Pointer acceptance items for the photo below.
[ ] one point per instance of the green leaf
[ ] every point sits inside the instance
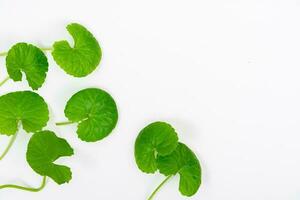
(158, 138)
(83, 58)
(184, 162)
(29, 59)
(43, 149)
(95, 111)
(26, 107)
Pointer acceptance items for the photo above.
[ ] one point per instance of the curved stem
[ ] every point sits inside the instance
(158, 187)
(4, 81)
(12, 140)
(3, 53)
(26, 188)
(64, 123)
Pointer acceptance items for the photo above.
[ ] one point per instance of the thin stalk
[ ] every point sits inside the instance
(4, 81)
(158, 187)
(12, 140)
(26, 188)
(3, 53)
(64, 123)
(47, 49)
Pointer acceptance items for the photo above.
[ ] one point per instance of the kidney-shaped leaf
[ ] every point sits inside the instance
(184, 162)
(26, 107)
(44, 148)
(95, 111)
(83, 58)
(29, 59)
(158, 138)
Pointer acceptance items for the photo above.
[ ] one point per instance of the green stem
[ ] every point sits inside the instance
(4, 81)
(64, 123)
(3, 53)
(47, 49)
(12, 140)
(158, 187)
(26, 188)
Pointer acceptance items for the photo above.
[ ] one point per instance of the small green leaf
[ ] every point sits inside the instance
(26, 107)
(83, 58)
(158, 138)
(184, 162)
(43, 149)
(29, 59)
(95, 111)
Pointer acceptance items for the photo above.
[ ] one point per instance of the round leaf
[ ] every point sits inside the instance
(95, 111)
(83, 58)
(158, 138)
(29, 59)
(43, 149)
(184, 162)
(26, 107)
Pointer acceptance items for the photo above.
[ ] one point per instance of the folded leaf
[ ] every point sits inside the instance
(29, 59)
(44, 148)
(83, 58)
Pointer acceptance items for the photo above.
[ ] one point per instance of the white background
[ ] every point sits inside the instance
(225, 74)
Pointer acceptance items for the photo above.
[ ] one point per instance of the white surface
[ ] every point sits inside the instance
(224, 73)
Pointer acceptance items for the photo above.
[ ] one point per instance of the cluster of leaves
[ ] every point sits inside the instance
(157, 149)
(93, 109)
(78, 61)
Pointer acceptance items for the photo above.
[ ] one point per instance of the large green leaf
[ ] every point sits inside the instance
(29, 59)
(184, 162)
(26, 107)
(95, 111)
(44, 148)
(158, 138)
(83, 58)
